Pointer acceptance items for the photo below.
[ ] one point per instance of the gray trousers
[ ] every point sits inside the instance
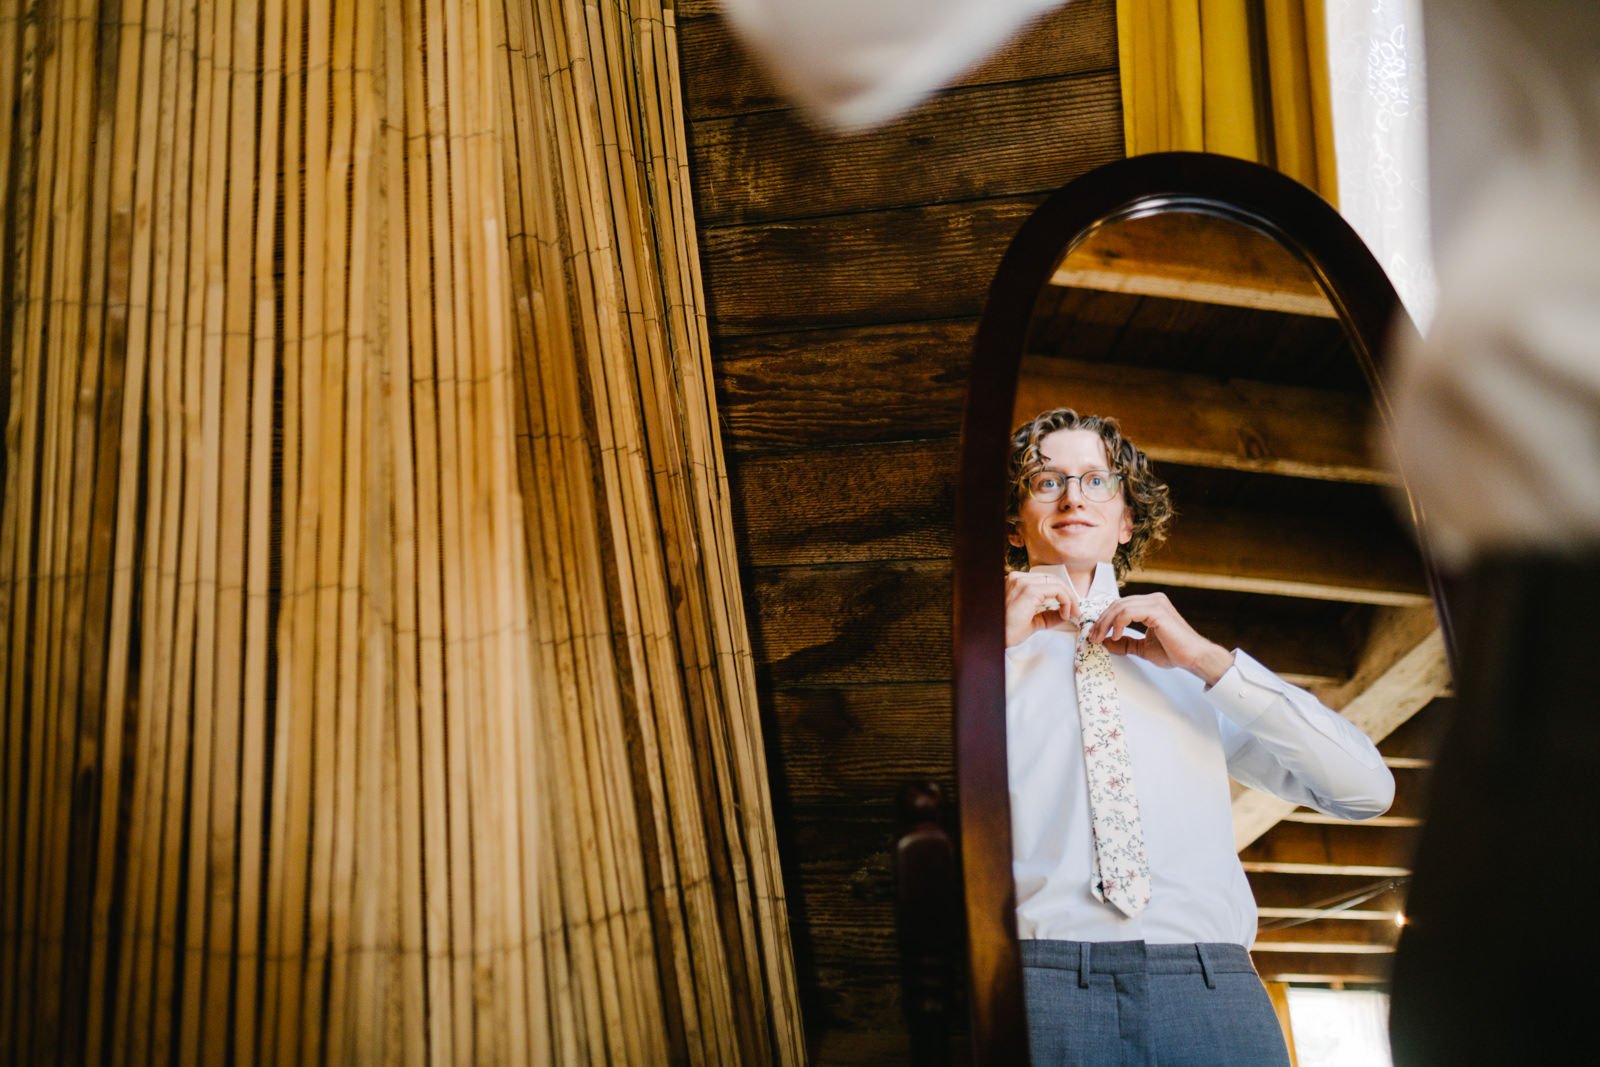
(1126, 1002)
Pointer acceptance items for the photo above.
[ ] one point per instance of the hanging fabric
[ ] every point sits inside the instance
(1236, 77)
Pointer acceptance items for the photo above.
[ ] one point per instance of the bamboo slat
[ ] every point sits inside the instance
(130, 307)
(374, 684)
(290, 784)
(24, 320)
(261, 322)
(59, 507)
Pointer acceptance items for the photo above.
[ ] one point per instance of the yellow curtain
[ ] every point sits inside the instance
(1236, 77)
(373, 682)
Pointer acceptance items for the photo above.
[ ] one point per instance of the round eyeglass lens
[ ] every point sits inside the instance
(1098, 486)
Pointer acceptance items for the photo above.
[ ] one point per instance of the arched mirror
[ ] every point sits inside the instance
(1230, 321)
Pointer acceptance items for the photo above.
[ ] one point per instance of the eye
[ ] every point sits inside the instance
(1046, 483)
(1098, 479)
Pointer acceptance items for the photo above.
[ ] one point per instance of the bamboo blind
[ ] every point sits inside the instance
(375, 682)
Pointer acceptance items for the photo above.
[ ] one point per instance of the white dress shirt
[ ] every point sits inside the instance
(1185, 740)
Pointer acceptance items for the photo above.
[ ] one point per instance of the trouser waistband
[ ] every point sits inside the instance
(1125, 957)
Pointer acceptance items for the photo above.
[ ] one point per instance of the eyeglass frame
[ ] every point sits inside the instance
(1067, 479)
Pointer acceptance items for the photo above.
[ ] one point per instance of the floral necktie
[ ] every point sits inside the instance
(1121, 871)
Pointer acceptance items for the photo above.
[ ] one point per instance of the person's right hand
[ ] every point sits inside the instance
(1028, 597)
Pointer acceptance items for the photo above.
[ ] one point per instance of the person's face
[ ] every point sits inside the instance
(1073, 530)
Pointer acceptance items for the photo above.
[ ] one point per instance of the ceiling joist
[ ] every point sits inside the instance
(1284, 555)
(1402, 668)
(1195, 419)
(1153, 256)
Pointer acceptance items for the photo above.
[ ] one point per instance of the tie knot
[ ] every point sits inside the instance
(1089, 610)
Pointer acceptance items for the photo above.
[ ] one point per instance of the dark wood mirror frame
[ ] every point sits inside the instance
(1365, 302)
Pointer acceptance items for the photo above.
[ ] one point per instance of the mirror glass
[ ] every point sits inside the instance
(1220, 356)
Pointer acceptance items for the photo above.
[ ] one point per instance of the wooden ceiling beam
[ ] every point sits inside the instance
(1329, 849)
(1198, 420)
(1416, 741)
(1324, 967)
(1286, 556)
(1190, 256)
(1309, 914)
(1328, 890)
(1402, 668)
(1329, 935)
(1373, 870)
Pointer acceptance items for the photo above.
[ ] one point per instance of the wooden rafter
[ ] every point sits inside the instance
(1324, 967)
(1286, 556)
(1304, 849)
(1195, 419)
(1401, 669)
(1154, 256)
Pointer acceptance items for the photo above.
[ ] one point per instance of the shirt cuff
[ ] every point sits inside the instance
(1246, 691)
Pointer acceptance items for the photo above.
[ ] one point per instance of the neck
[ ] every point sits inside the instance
(1082, 579)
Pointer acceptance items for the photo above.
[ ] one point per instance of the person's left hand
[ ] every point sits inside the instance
(1169, 640)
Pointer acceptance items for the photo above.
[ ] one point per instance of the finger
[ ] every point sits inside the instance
(1129, 611)
(1124, 646)
(1108, 618)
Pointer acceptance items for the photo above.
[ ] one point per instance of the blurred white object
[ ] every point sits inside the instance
(1498, 410)
(859, 63)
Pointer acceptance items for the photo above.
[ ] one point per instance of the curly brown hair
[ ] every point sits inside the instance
(1146, 494)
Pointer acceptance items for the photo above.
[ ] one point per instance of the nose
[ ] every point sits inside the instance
(1067, 501)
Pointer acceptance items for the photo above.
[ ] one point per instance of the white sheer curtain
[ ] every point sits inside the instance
(1375, 67)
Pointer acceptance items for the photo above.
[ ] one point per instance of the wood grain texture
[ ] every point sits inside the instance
(1327, 890)
(1288, 556)
(1417, 740)
(887, 266)
(1199, 420)
(849, 505)
(1324, 967)
(724, 79)
(962, 145)
(851, 386)
(887, 622)
(1378, 850)
(853, 743)
(1156, 256)
(1195, 338)
(1328, 935)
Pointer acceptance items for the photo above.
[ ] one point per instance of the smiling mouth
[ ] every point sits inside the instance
(1070, 525)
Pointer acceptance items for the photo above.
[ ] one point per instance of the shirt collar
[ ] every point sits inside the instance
(1104, 584)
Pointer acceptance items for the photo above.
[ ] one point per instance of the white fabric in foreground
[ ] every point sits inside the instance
(1497, 413)
(859, 63)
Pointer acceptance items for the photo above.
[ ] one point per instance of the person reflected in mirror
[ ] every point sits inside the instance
(1124, 725)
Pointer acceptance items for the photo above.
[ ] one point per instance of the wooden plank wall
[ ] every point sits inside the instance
(844, 277)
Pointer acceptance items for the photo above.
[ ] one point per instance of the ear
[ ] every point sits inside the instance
(1125, 533)
(1014, 534)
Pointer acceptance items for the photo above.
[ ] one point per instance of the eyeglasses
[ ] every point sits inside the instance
(1098, 486)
